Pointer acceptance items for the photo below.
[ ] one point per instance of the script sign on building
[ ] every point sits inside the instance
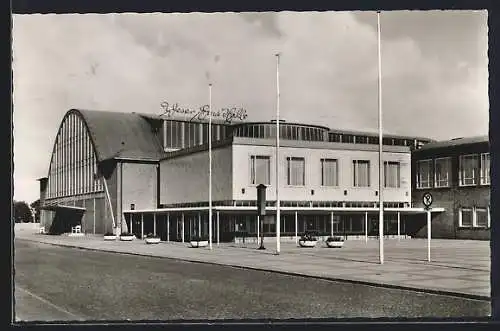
(202, 113)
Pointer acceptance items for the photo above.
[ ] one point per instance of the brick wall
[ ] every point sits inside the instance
(445, 225)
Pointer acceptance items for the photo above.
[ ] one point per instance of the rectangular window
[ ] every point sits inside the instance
(361, 139)
(424, 170)
(468, 169)
(465, 217)
(260, 170)
(392, 174)
(482, 217)
(485, 169)
(387, 141)
(348, 138)
(361, 172)
(329, 172)
(442, 171)
(296, 171)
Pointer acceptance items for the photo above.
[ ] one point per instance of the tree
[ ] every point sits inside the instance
(22, 212)
(36, 206)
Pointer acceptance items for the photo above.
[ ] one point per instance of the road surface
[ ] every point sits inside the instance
(56, 283)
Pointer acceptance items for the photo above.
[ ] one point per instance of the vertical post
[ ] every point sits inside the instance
(278, 216)
(142, 225)
(296, 228)
(429, 235)
(84, 225)
(182, 227)
(210, 168)
(380, 160)
(154, 224)
(258, 229)
(366, 227)
(131, 220)
(168, 227)
(399, 225)
(218, 228)
(94, 218)
(331, 224)
(199, 224)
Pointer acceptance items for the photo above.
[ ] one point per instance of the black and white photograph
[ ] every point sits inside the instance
(251, 166)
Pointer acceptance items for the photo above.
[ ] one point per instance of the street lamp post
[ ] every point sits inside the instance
(278, 216)
(210, 166)
(380, 157)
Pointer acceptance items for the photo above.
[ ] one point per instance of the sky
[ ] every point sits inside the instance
(434, 71)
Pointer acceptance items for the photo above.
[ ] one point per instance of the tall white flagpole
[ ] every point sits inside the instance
(210, 166)
(380, 158)
(278, 216)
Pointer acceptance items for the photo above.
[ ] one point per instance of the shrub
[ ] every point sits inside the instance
(126, 234)
(308, 237)
(330, 239)
(199, 238)
(150, 235)
(109, 234)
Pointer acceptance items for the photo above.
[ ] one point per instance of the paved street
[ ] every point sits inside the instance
(67, 283)
(460, 267)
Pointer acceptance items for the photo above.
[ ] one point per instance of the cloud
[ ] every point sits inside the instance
(434, 71)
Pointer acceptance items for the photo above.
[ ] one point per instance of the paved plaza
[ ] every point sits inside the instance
(458, 267)
(61, 283)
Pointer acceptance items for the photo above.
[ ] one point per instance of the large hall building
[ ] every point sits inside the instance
(142, 173)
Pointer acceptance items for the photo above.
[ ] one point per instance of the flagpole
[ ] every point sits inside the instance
(278, 216)
(380, 158)
(210, 166)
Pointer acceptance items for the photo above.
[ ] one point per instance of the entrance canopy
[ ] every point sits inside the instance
(56, 207)
(403, 211)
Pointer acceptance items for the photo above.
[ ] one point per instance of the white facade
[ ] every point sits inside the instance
(184, 179)
(312, 157)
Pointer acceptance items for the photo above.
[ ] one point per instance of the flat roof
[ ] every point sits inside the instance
(408, 210)
(454, 142)
(188, 119)
(283, 123)
(375, 134)
(285, 143)
(54, 207)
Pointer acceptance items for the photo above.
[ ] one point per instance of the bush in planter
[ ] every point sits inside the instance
(308, 237)
(109, 234)
(336, 238)
(127, 234)
(150, 235)
(199, 238)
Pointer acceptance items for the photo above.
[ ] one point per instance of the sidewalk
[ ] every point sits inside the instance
(458, 267)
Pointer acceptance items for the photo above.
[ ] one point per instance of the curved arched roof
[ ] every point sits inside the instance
(120, 135)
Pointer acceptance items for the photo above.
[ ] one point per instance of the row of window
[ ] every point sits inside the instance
(473, 169)
(317, 223)
(474, 217)
(373, 140)
(178, 135)
(260, 172)
(287, 131)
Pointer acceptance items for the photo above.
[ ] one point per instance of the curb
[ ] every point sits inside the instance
(288, 273)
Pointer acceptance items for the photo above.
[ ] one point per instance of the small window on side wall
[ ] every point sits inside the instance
(465, 218)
